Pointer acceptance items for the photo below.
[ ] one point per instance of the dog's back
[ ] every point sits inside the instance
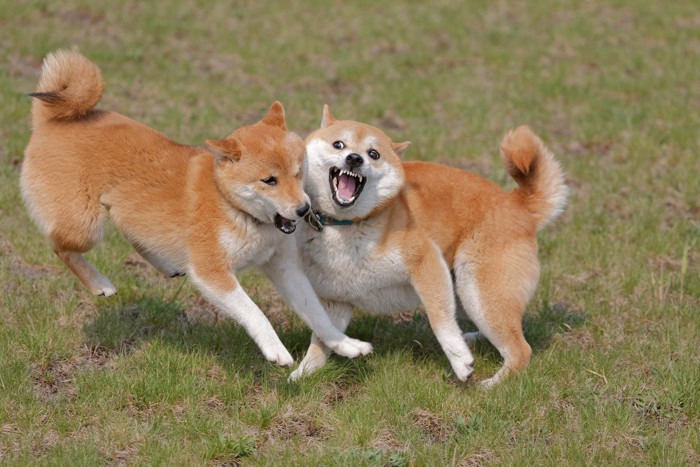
(451, 204)
(78, 154)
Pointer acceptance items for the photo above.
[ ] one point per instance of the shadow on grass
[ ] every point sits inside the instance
(540, 325)
(121, 327)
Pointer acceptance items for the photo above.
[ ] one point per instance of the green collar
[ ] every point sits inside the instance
(318, 221)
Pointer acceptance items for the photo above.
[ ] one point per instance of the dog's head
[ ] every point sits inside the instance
(259, 169)
(352, 168)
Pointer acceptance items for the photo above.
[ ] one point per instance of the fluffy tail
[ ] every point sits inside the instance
(69, 87)
(534, 168)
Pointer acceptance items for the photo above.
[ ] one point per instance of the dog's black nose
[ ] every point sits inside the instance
(301, 212)
(354, 160)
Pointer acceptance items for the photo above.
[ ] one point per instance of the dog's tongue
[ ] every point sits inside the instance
(346, 186)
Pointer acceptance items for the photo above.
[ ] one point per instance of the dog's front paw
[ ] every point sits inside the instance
(305, 368)
(297, 374)
(459, 355)
(279, 356)
(463, 367)
(352, 348)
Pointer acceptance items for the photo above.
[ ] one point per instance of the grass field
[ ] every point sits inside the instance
(156, 376)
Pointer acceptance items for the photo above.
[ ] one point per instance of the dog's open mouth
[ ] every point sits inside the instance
(285, 225)
(346, 186)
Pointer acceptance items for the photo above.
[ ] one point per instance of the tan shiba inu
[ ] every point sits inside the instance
(398, 235)
(186, 210)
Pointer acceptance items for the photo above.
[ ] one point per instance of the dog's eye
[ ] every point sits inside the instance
(373, 154)
(270, 181)
(339, 145)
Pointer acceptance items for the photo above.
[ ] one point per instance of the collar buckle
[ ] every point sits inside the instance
(312, 219)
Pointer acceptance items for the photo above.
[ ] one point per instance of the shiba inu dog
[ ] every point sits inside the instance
(400, 235)
(187, 210)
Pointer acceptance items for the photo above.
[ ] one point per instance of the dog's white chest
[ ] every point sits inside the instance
(347, 263)
(253, 249)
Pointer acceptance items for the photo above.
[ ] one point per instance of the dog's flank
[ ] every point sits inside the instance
(423, 233)
(188, 210)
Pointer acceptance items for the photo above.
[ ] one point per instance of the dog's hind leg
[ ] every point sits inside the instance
(76, 233)
(87, 273)
(431, 279)
(318, 352)
(497, 310)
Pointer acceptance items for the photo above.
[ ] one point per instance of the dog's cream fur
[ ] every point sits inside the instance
(187, 210)
(423, 233)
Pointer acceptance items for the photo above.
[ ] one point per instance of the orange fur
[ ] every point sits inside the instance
(441, 220)
(185, 209)
(473, 220)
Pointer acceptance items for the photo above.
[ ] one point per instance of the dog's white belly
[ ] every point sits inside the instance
(345, 264)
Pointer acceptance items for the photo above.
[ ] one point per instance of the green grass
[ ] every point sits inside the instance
(155, 376)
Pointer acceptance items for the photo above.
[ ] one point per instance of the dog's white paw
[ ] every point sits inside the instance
(297, 374)
(279, 356)
(462, 361)
(352, 348)
(489, 383)
(103, 288)
(463, 368)
(304, 369)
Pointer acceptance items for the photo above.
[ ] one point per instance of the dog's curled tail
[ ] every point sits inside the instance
(69, 87)
(540, 178)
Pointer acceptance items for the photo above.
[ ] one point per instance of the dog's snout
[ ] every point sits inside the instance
(354, 160)
(302, 210)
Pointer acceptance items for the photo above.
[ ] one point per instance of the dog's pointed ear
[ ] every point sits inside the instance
(400, 148)
(275, 116)
(327, 117)
(229, 148)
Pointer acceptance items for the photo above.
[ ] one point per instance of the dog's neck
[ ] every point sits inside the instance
(318, 220)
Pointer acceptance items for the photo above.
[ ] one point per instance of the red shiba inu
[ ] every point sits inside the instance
(401, 234)
(186, 210)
